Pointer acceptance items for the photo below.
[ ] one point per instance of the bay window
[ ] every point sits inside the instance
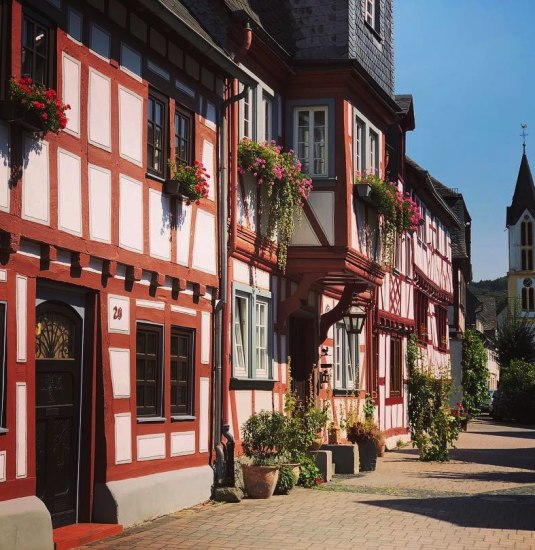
(252, 333)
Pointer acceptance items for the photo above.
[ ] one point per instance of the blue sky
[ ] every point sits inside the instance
(470, 66)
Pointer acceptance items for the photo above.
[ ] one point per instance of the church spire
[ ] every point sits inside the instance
(524, 196)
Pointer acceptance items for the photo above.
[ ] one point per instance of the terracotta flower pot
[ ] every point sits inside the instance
(260, 481)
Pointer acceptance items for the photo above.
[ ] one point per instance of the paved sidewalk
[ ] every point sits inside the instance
(483, 499)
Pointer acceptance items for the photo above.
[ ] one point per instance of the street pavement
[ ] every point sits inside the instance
(484, 498)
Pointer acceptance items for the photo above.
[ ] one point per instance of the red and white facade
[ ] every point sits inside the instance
(108, 283)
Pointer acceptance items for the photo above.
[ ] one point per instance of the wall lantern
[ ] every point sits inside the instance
(354, 318)
(325, 373)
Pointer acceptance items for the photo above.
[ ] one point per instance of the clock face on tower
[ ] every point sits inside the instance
(528, 282)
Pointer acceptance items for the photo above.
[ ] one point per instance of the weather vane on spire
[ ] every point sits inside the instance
(524, 126)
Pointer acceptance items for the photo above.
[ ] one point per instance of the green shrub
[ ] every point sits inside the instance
(286, 481)
(474, 372)
(309, 474)
(517, 386)
(263, 436)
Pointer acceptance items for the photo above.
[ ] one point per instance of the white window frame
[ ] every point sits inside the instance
(248, 101)
(267, 117)
(359, 146)
(253, 297)
(346, 371)
(374, 147)
(369, 12)
(311, 110)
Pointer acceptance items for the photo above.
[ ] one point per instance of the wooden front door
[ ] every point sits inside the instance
(302, 355)
(57, 398)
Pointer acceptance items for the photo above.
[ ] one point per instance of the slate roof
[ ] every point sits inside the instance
(406, 105)
(422, 182)
(524, 196)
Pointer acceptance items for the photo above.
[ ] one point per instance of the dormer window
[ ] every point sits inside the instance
(371, 14)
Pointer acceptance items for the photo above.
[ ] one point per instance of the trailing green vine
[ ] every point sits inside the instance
(474, 372)
(432, 425)
(287, 188)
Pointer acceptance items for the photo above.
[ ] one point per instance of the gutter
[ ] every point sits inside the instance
(209, 49)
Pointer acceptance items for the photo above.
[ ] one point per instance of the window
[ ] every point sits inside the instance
(441, 319)
(528, 302)
(422, 233)
(100, 41)
(156, 134)
(372, 14)
(36, 50)
(374, 153)
(181, 379)
(267, 104)
(183, 137)
(311, 140)
(395, 367)
(526, 245)
(248, 115)
(359, 146)
(420, 315)
(3, 309)
(74, 25)
(149, 370)
(345, 347)
(252, 333)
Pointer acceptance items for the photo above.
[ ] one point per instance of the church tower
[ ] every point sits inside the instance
(521, 225)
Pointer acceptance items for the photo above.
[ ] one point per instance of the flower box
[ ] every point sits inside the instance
(172, 187)
(190, 181)
(364, 192)
(11, 111)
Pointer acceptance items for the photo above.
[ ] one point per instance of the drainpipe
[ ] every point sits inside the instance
(224, 465)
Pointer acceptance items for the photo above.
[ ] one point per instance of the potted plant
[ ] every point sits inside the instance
(286, 480)
(334, 434)
(365, 434)
(34, 107)
(287, 188)
(190, 181)
(263, 436)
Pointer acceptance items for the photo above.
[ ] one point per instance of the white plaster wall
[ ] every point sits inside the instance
(35, 183)
(322, 204)
(2, 466)
(205, 337)
(123, 438)
(69, 193)
(5, 163)
(130, 214)
(182, 443)
(99, 204)
(151, 446)
(71, 92)
(204, 246)
(244, 407)
(22, 317)
(183, 233)
(208, 163)
(99, 105)
(204, 414)
(263, 401)
(247, 201)
(120, 372)
(130, 126)
(21, 431)
(160, 225)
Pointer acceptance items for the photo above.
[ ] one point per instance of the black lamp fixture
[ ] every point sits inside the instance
(354, 318)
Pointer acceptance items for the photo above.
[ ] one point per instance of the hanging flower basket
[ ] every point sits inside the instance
(287, 188)
(398, 212)
(34, 107)
(189, 181)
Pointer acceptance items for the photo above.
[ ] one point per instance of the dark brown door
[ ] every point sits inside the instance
(302, 355)
(58, 365)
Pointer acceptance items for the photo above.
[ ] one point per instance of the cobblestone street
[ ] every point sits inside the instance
(483, 498)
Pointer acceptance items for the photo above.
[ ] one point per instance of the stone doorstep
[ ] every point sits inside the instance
(78, 534)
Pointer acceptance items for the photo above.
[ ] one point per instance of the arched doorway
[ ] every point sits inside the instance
(58, 354)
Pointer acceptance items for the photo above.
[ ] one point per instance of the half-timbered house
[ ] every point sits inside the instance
(108, 279)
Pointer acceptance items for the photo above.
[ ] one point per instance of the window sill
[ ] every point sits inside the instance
(183, 418)
(151, 420)
(326, 181)
(155, 177)
(3, 431)
(251, 384)
(341, 392)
